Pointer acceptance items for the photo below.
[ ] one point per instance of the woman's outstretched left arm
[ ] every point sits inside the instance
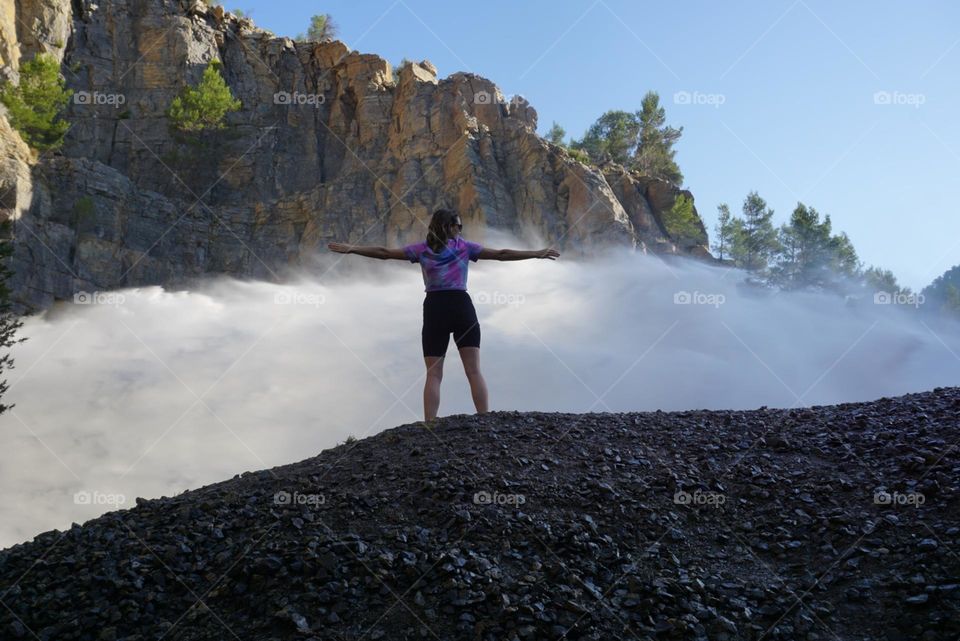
(370, 251)
(518, 254)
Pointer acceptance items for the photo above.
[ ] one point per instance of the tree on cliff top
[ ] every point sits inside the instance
(640, 140)
(613, 137)
(654, 151)
(321, 28)
(34, 107)
(205, 106)
(556, 134)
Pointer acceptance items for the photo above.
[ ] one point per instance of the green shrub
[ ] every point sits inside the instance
(321, 28)
(579, 155)
(83, 207)
(36, 104)
(204, 107)
(680, 220)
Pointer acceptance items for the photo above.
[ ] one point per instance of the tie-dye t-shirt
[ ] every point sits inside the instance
(448, 269)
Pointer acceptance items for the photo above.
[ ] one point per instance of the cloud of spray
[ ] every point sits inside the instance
(147, 392)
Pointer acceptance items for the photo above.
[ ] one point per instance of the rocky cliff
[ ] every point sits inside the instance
(329, 144)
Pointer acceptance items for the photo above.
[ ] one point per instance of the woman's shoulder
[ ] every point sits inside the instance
(463, 243)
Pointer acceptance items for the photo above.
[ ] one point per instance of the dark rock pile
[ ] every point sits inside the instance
(833, 522)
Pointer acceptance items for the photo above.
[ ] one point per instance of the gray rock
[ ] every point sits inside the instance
(367, 159)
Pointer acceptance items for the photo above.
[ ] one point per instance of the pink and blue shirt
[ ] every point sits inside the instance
(448, 269)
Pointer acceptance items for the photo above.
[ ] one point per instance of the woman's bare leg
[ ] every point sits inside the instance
(431, 387)
(478, 387)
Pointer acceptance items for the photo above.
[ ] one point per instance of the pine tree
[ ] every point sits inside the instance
(681, 220)
(613, 137)
(844, 259)
(35, 106)
(803, 258)
(321, 28)
(754, 239)
(556, 134)
(876, 279)
(951, 302)
(654, 152)
(724, 230)
(641, 141)
(204, 107)
(810, 256)
(942, 293)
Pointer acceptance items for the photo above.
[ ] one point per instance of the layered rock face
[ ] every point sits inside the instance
(330, 144)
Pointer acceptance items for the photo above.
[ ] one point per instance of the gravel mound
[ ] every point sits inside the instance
(837, 522)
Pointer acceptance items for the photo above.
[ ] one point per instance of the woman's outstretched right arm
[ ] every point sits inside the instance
(370, 251)
(517, 254)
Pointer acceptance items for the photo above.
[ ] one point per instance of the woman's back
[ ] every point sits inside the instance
(447, 269)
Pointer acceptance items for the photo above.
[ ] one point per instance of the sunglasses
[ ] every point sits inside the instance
(457, 225)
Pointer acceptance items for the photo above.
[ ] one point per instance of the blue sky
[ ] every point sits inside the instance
(782, 95)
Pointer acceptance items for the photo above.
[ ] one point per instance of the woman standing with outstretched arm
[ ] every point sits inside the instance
(447, 307)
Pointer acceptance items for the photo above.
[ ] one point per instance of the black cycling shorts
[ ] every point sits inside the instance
(445, 312)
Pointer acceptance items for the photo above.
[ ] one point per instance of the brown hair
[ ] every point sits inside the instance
(438, 232)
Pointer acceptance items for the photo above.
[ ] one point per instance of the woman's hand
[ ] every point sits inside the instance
(340, 248)
(548, 253)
